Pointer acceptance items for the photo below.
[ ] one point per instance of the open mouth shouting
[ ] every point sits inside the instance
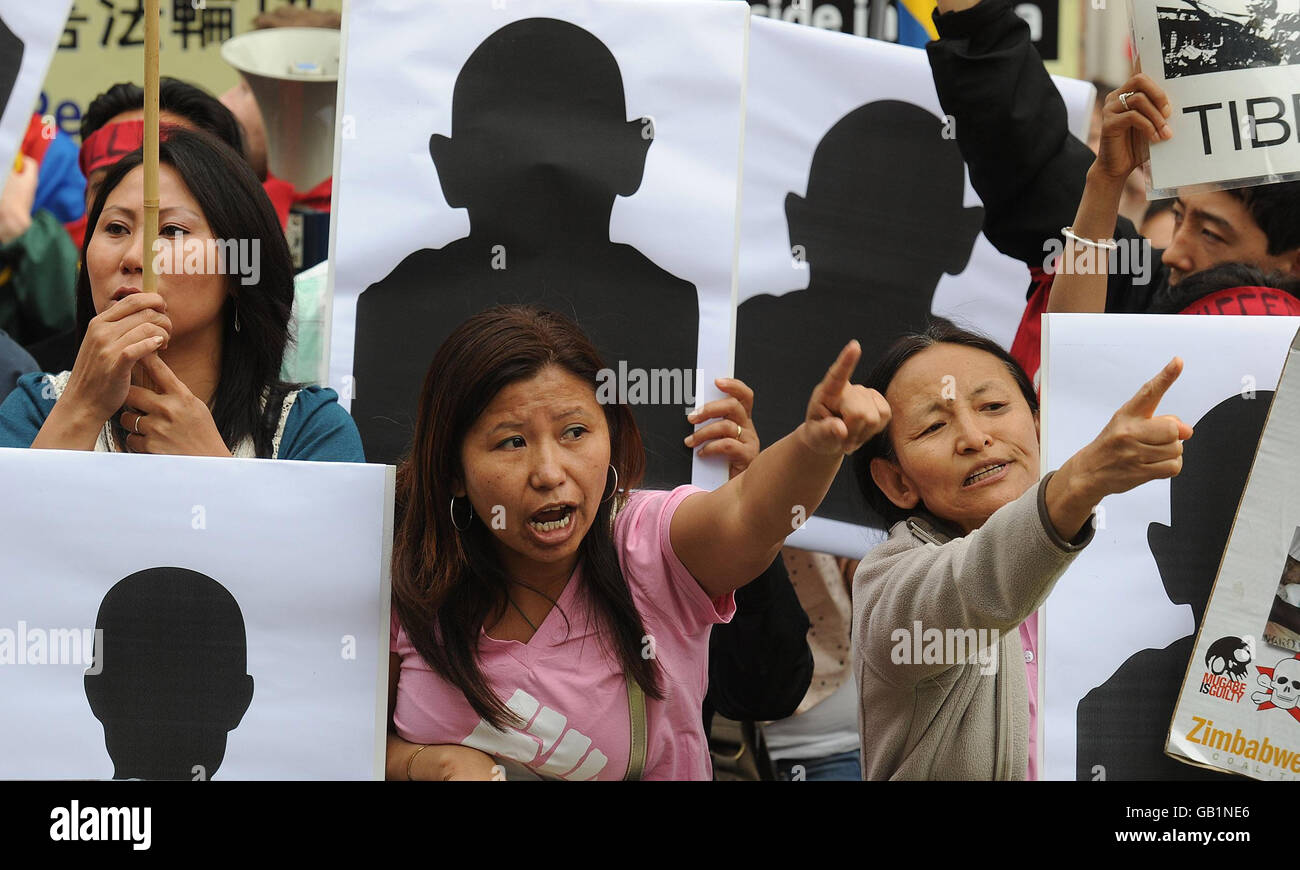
(986, 473)
(553, 523)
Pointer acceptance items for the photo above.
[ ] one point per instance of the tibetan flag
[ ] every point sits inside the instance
(915, 22)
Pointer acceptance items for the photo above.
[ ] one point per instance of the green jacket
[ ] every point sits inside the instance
(38, 274)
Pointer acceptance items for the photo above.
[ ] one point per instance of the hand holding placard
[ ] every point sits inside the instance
(1130, 125)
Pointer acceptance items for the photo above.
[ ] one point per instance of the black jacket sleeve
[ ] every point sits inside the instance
(1014, 134)
(760, 665)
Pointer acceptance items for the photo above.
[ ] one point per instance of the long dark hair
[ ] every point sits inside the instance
(937, 331)
(448, 584)
(236, 207)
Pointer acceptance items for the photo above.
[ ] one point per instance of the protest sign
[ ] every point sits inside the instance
(1232, 72)
(173, 617)
(582, 156)
(1239, 708)
(1119, 625)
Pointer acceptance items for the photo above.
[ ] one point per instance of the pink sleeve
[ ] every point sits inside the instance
(641, 534)
(394, 629)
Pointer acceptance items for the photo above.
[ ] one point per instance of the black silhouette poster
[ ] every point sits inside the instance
(231, 625)
(857, 222)
(1230, 68)
(1239, 711)
(169, 676)
(29, 33)
(582, 157)
(1120, 627)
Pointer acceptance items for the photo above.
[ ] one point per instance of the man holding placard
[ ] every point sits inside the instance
(1030, 172)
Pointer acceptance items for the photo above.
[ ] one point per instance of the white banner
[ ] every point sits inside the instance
(29, 34)
(192, 618)
(857, 221)
(583, 155)
(1119, 626)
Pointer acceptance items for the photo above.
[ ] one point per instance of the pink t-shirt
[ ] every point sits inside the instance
(569, 692)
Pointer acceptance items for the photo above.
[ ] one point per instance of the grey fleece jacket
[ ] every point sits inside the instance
(945, 720)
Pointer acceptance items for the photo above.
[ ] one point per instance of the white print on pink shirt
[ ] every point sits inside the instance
(545, 727)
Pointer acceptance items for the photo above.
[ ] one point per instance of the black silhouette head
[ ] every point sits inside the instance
(540, 134)
(11, 60)
(1203, 498)
(172, 658)
(884, 205)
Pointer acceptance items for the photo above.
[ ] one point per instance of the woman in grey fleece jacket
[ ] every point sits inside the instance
(976, 544)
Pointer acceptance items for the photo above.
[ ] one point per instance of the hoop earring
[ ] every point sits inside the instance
(453, 515)
(615, 490)
(236, 315)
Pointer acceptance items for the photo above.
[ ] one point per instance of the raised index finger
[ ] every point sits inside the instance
(1147, 398)
(837, 376)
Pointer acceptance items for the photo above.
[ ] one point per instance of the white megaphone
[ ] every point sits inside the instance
(294, 75)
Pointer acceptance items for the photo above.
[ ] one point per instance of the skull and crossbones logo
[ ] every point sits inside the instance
(1281, 685)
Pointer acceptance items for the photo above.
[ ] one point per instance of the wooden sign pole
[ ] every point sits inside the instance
(150, 143)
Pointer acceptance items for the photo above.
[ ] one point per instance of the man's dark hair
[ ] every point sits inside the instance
(235, 207)
(938, 331)
(1158, 207)
(180, 98)
(1276, 208)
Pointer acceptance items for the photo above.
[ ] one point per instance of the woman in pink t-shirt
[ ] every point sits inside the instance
(538, 600)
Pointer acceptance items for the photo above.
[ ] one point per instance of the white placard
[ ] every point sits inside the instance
(1231, 70)
(1118, 627)
(584, 154)
(853, 181)
(1239, 708)
(302, 551)
(29, 34)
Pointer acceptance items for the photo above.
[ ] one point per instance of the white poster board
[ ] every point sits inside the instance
(29, 34)
(275, 649)
(1231, 70)
(1239, 708)
(1118, 628)
(857, 221)
(582, 154)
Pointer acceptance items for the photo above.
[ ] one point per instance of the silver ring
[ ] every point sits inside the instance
(1123, 99)
(135, 427)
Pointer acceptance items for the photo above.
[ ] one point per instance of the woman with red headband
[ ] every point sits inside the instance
(192, 369)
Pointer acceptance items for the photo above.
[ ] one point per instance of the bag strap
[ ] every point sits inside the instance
(636, 709)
